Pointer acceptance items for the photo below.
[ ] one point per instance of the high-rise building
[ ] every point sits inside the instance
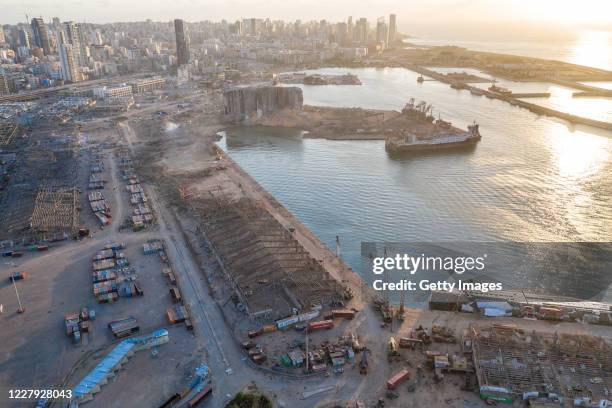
(41, 35)
(2, 36)
(392, 28)
(24, 38)
(96, 37)
(252, 26)
(381, 31)
(72, 36)
(341, 33)
(239, 28)
(349, 28)
(360, 33)
(182, 47)
(67, 60)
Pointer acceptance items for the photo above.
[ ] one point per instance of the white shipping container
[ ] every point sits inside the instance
(281, 324)
(304, 317)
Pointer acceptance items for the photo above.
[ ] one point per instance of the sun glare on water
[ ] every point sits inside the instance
(593, 48)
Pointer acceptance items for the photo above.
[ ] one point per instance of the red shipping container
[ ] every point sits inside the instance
(199, 397)
(398, 378)
(344, 313)
(323, 324)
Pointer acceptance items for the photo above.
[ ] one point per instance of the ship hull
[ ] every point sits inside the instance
(470, 142)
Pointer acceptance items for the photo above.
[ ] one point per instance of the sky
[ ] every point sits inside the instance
(410, 12)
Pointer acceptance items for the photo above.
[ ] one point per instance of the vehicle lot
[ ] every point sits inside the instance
(36, 352)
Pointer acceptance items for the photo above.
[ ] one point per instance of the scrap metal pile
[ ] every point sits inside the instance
(521, 363)
(270, 270)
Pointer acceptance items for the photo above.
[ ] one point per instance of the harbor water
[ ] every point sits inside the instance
(530, 179)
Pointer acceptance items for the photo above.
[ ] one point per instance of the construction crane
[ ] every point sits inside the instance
(385, 309)
(400, 311)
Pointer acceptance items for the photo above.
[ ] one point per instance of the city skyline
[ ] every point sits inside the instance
(588, 12)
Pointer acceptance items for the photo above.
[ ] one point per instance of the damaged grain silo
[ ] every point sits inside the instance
(244, 103)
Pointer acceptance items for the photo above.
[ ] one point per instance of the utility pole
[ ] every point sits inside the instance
(307, 351)
(21, 309)
(338, 246)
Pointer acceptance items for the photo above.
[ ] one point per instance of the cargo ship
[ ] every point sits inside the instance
(500, 90)
(424, 132)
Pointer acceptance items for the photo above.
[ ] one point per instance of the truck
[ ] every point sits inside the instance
(363, 363)
(397, 379)
(392, 349)
(18, 276)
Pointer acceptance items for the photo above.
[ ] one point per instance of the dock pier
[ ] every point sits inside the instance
(513, 98)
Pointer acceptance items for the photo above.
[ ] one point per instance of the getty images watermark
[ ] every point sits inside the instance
(552, 268)
(411, 265)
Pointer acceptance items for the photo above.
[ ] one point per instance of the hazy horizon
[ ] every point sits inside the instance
(543, 15)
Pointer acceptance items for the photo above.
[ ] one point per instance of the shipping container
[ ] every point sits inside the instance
(170, 401)
(398, 379)
(259, 358)
(254, 333)
(247, 345)
(270, 328)
(441, 361)
(407, 342)
(124, 327)
(108, 297)
(103, 264)
(177, 314)
(343, 313)
(283, 323)
(188, 324)
(114, 245)
(171, 278)
(175, 295)
(550, 313)
(340, 361)
(104, 254)
(323, 324)
(430, 355)
(84, 325)
(104, 275)
(71, 321)
(304, 317)
(199, 397)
